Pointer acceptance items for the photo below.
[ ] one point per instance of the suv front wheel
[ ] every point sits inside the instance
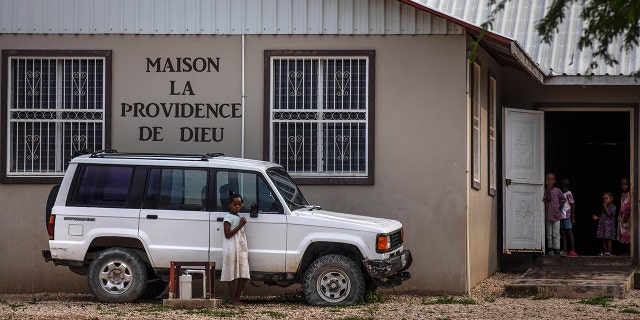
(117, 275)
(333, 280)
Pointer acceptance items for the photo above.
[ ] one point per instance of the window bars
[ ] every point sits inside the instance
(56, 108)
(319, 115)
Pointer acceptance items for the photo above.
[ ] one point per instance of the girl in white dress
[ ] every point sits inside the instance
(235, 254)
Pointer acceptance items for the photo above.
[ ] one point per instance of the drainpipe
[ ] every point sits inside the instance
(468, 191)
(243, 97)
(244, 28)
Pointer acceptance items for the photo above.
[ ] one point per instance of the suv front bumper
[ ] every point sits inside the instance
(390, 270)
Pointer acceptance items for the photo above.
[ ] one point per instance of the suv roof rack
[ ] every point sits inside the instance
(109, 153)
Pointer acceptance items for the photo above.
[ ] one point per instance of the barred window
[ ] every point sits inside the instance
(319, 115)
(55, 107)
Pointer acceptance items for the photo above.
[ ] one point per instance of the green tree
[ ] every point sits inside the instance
(605, 21)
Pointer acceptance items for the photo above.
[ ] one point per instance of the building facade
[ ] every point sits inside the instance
(373, 106)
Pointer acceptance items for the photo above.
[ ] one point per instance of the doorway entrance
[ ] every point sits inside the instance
(592, 149)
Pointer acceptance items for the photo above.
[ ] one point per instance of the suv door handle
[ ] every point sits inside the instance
(152, 216)
(220, 219)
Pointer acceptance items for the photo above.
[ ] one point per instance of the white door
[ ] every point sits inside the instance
(266, 233)
(173, 221)
(523, 184)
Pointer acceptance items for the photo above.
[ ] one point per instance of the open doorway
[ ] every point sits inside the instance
(593, 150)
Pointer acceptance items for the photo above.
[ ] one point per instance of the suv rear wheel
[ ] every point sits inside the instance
(333, 280)
(117, 275)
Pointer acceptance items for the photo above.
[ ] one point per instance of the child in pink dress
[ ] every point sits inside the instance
(624, 216)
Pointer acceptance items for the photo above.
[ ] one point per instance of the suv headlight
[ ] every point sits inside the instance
(383, 242)
(389, 241)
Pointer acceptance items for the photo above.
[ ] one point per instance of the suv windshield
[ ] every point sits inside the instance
(287, 188)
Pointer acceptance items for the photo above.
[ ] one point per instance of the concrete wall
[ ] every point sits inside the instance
(420, 134)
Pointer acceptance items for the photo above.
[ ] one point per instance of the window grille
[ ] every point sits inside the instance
(56, 107)
(319, 115)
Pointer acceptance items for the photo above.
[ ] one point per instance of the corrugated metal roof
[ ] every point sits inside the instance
(517, 21)
(219, 17)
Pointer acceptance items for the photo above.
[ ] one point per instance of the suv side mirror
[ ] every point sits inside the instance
(253, 211)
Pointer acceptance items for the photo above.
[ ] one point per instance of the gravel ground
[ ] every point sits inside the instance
(485, 302)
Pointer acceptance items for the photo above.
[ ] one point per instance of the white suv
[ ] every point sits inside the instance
(121, 218)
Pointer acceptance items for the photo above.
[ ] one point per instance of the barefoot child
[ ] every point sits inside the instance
(235, 253)
(607, 224)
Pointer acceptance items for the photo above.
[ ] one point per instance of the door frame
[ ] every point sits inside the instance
(632, 109)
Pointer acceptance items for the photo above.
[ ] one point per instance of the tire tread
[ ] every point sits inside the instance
(337, 261)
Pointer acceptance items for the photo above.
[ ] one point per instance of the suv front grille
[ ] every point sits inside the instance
(396, 238)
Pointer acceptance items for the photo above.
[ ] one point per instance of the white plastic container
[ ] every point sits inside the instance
(185, 286)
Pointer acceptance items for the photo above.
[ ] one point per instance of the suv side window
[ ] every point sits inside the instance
(251, 186)
(176, 189)
(104, 186)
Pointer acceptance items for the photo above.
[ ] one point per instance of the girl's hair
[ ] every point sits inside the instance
(565, 183)
(609, 193)
(233, 195)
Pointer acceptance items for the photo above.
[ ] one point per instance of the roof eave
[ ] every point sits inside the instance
(592, 80)
(516, 53)
(525, 61)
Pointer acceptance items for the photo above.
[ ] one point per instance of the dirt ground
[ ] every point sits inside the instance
(486, 301)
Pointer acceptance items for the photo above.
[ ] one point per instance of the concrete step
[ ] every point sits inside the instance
(583, 261)
(574, 281)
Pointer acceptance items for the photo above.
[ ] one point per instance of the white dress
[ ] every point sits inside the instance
(235, 253)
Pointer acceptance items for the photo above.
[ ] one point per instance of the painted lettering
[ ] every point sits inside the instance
(237, 110)
(153, 110)
(188, 90)
(201, 134)
(150, 133)
(125, 108)
(186, 107)
(183, 64)
(221, 110)
(153, 63)
(138, 107)
(181, 110)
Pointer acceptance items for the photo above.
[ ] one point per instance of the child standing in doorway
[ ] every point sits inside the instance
(624, 216)
(607, 224)
(553, 202)
(235, 253)
(568, 219)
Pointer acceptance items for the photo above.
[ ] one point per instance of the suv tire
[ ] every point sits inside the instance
(333, 280)
(117, 275)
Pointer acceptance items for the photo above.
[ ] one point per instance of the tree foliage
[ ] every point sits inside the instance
(604, 21)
